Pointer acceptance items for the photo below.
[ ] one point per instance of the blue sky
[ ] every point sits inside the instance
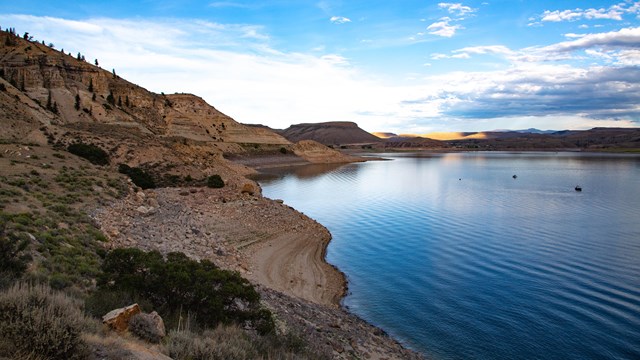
(401, 66)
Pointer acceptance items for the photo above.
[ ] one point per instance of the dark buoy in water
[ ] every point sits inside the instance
(578, 188)
(515, 176)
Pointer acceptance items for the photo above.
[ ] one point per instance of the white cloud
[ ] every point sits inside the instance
(491, 49)
(339, 20)
(628, 57)
(614, 12)
(623, 38)
(461, 56)
(565, 15)
(456, 8)
(614, 44)
(443, 28)
(573, 36)
(234, 68)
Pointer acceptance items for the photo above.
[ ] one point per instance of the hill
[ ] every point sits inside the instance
(51, 97)
(330, 133)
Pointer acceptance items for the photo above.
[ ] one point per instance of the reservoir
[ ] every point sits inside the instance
(457, 258)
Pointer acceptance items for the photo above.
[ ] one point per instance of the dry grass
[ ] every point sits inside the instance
(39, 323)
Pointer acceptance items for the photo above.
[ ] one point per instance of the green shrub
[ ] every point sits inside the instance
(37, 322)
(178, 285)
(215, 181)
(144, 326)
(139, 177)
(283, 150)
(14, 256)
(90, 152)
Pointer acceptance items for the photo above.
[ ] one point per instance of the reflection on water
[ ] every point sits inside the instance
(304, 171)
(455, 257)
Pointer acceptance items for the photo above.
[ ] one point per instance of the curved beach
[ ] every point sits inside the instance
(294, 263)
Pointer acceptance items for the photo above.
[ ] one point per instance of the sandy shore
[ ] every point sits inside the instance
(268, 242)
(295, 264)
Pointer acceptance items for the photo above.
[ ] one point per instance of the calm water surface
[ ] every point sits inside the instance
(455, 258)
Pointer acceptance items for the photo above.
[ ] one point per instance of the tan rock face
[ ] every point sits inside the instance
(118, 319)
(40, 71)
(317, 153)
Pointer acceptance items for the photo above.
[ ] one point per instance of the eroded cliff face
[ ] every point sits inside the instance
(84, 92)
(50, 96)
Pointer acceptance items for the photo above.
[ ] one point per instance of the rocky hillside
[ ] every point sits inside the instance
(48, 96)
(330, 133)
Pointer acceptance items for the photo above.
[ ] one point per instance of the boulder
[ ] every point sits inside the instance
(249, 187)
(118, 319)
(159, 324)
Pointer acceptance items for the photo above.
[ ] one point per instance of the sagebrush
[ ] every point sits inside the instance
(38, 322)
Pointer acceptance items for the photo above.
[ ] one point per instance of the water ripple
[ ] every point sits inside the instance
(487, 266)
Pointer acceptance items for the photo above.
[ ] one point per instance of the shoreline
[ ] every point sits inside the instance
(267, 241)
(295, 263)
(248, 234)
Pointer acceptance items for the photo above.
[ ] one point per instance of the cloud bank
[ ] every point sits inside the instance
(236, 68)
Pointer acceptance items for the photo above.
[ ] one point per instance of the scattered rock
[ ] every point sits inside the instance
(159, 324)
(118, 319)
(249, 188)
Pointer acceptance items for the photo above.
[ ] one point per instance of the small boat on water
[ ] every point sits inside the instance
(578, 188)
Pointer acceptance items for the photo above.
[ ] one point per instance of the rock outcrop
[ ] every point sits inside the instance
(118, 319)
(83, 92)
(317, 153)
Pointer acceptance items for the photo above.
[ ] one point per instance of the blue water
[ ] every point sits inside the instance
(458, 260)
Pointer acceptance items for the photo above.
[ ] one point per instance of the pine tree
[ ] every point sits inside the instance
(110, 99)
(119, 101)
(114, 73)
(77, 106)
(96, 62)
(49, 104)
(91, 85)
(126, 101)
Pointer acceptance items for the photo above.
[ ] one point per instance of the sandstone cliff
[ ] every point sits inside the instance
(50, 96)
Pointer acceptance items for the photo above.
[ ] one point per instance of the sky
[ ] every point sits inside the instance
(400, 66)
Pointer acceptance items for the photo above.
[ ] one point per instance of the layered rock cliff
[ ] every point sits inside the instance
(54, 97)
